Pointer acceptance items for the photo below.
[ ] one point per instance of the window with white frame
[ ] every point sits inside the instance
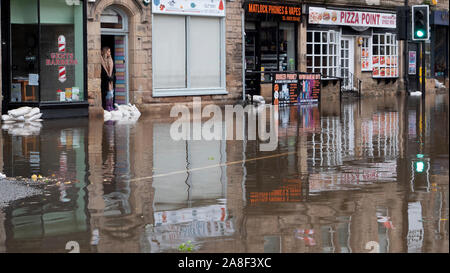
(322, 52)
(384, 55)
(188, 55)
(366, 54)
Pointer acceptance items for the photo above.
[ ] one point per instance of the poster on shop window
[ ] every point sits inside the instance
(189, 7)
(295, 88)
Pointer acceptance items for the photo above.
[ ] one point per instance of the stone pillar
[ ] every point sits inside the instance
(301, 44)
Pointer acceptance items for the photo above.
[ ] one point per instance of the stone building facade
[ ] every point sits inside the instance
(139, 52)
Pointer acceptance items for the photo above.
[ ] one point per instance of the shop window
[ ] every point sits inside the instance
(47, 58)
(277, 43)
(366, 55)
(188, 54)
(322, 52)
(24, 51)
(384, 55)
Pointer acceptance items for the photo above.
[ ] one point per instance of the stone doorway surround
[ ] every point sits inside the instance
(139, 51)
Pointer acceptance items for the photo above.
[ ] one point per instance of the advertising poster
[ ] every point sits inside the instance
(294, 88)
(309, 88)
(285, 89)
(189, 7)
(412, 60)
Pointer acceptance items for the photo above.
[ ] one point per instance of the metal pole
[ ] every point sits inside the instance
(423, 70)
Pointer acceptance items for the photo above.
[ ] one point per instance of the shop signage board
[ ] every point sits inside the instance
(280, 11)
(412, 63)
(351, 18)
(295, 88)
(190, 7)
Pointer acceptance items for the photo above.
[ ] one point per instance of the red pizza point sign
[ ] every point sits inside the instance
(351, 18)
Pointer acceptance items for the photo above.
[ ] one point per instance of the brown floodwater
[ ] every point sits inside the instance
(360, 176)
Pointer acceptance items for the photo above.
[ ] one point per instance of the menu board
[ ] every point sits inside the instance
(295, 88)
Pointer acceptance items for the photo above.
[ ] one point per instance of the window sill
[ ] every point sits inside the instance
(188, 92)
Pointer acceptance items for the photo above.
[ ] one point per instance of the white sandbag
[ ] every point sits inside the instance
(7, 126)
(116, 115)
(33, 112)
(9, 121)
(6, 117)
(107, 115)
(19, 118)
(37, 116)
(35, 123)
(22, 111)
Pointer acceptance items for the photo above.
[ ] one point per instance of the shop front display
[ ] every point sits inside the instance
(344, 43)
(43, 64)
(270, 41)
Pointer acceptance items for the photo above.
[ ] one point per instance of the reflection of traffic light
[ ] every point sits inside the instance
(420, 176)
(420, 22)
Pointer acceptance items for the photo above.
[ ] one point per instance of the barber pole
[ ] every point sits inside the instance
(62, 48)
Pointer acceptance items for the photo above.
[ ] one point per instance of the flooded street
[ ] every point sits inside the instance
(368, 175)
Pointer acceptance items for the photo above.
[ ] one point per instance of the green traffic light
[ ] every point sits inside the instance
(420, 166)
(420, 33)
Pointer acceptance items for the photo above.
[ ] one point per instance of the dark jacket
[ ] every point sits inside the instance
(105, 82)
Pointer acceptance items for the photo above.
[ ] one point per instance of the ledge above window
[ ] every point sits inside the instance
(188, 92)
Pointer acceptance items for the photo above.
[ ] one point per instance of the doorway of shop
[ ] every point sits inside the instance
(347, 66)
(114, 34)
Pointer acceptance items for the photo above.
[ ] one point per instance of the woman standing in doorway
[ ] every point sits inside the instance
(108, 79)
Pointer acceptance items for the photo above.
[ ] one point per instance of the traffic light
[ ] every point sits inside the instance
(420, 23)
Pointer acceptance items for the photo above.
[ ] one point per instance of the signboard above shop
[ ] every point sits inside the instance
(275, 11)
(353, 18)
(190, 7)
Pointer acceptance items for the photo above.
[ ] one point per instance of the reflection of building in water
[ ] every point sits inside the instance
(185, 201)
(38, 224)
(415, 228)
(174, 227)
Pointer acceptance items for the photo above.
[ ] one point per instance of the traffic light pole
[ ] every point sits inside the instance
(423, 70)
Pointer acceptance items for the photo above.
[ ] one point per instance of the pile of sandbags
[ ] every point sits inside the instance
(24, 121)
(22, 114)
(126, 113)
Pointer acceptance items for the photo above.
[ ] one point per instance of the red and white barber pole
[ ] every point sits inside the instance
(62, 48)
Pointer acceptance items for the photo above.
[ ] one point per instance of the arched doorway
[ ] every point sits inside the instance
(114, 34)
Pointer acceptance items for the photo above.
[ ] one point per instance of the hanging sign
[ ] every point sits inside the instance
(325, 16)
(190, 7)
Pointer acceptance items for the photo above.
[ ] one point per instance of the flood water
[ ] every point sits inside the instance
(344, 177)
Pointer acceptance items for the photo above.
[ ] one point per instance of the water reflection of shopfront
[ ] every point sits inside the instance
(190, 197)
(270, 42)
(43, 56)
(50, 220)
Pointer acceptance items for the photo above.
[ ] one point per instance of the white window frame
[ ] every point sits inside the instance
(188, 91)
(369, 50)
(318, 69)
(394, 43)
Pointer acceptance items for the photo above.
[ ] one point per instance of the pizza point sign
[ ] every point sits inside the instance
(352, 18)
